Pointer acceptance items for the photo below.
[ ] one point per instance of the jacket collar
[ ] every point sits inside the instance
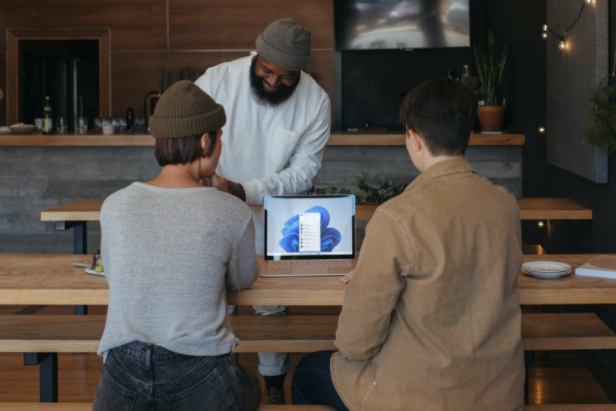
(454, 165)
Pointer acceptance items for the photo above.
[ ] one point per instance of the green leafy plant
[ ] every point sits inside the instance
(328, 190)
(490, 69)
(373, 190)
(600, 122)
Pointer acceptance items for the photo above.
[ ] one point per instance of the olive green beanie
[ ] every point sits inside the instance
(185, 110)
(285, 43)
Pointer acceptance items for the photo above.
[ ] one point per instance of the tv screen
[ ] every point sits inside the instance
(395, 24)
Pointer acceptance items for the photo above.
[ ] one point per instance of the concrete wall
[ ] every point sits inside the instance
(33, 179)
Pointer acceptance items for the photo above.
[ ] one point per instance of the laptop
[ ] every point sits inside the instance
(309, 235)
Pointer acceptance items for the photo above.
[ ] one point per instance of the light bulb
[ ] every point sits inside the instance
(545, 27)
(542, 129)
(588, 1)
(540, 224)
(544, 35)
(562, 45)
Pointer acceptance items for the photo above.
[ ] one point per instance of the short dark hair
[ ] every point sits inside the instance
(442, 111)
(183, 150)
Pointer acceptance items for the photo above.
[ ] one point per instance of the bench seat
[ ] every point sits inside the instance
(292, 333)
(66, 406)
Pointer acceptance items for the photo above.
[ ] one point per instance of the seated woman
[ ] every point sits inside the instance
(431, 318)
(171, 248)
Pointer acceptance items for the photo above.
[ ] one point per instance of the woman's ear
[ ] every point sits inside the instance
(205, 143)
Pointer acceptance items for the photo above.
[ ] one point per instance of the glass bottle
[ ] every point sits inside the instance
(47, 117)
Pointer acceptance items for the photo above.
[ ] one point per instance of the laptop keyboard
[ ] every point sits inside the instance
(309, 264)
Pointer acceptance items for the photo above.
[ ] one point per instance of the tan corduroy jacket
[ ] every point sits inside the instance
(431, 318)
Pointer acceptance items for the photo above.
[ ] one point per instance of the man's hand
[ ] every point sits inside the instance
(347, 277)
(223, 184)
(220, 183)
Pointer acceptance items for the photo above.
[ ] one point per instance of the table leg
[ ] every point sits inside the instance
(80, 234)
(529, 358)
(48, 371)
(80, 246)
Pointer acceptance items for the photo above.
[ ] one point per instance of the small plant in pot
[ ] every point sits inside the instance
(600, 121)
(490, 72)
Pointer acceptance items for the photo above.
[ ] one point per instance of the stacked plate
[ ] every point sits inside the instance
(546, 269)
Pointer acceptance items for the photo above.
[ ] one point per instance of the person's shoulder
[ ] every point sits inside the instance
(229, 205)
(311, 86)
(118, 198)
(495, 191)
(228, 66)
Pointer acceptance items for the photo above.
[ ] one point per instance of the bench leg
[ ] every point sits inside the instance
(80, 246)
(81, 310)
(48, 372)
(529, 358)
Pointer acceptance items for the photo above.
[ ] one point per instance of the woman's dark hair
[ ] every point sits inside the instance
(183, 150)
(442, 111)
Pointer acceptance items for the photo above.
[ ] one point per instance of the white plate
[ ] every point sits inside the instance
(91, 271)
(545, 267)
(524, 270)
(547, 275)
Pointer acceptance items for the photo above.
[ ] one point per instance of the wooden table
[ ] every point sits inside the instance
(45, 279)
(78, 213)
(75, 215)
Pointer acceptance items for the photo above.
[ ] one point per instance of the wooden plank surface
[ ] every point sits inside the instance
(291, 333)
(552, 209)
(146, 140)
(48, 279)
(80, 210)
(571, 407)
(530, 209)
(68, 406)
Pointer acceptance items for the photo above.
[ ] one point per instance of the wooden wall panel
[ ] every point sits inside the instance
(135, 74)
(136, 24)
(3, 107)
(235, 24)
(201, 34)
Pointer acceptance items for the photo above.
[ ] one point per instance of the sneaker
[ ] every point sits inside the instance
(277, 399)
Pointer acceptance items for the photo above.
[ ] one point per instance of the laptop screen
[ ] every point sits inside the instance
(309, 227)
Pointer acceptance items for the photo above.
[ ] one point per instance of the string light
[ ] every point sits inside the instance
(562, 44)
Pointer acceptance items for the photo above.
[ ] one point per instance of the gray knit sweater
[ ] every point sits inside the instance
(169, 255)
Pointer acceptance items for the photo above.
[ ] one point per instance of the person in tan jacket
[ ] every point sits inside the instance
(431, 318)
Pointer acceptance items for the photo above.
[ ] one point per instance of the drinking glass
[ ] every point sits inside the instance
(61, 125)
(82, 125)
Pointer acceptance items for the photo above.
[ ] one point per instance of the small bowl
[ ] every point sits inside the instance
(5, 130)
(23, 129)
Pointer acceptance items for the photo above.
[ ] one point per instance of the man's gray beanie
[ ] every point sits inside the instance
(285, 43)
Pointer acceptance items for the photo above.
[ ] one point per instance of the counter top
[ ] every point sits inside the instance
(145, 140)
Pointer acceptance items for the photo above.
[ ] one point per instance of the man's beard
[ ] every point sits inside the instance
(264, 97)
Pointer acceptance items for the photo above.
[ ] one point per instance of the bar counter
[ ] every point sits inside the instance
(144, 140)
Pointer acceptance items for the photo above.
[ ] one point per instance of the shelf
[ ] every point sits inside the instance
(145, 140)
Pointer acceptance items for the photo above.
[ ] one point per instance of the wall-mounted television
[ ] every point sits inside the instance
(396, 24)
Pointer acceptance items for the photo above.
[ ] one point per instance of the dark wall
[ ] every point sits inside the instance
(373, 83)
(600, 235)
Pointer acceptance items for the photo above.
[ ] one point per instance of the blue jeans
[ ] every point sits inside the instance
(139, 376)
(312, 382)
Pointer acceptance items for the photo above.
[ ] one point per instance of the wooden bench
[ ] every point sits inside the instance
(292, 333)
(87, 406)
(80, 406)
(41, 337)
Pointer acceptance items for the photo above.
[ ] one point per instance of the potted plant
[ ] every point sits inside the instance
(600, 122)
(490, 72)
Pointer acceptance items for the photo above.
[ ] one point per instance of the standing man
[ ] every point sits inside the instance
(274, 141)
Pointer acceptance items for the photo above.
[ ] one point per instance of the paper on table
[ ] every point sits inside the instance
(592, 271)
